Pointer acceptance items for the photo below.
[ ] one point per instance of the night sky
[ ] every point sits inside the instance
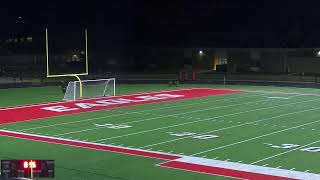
(188, 23)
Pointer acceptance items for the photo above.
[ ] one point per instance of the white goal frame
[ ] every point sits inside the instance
(73, 85)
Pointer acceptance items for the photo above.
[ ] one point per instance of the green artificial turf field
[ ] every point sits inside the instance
(262, 126)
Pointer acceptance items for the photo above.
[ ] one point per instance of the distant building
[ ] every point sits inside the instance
(263, 60)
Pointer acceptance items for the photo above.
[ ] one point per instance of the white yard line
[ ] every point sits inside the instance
(254, 138)
(230, 127)
(137, 112)
(207, 119)
(278, 97)
(163, 116)
(286, 152)
(281, 92)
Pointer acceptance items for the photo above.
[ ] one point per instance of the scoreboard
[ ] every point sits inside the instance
(27, 168)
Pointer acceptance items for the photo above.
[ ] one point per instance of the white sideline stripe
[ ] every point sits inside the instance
(249, 168)
(85, 142)
(163, 116)
(278, 97)
(258, 137)
(58, 102)
(137, 112)
(207, 119)
(280, 92)
(230, 127)
(201, 172)
(206, 162)
(200, 161)
(294, 149)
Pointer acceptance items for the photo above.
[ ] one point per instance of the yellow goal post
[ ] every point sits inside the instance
(68, 75)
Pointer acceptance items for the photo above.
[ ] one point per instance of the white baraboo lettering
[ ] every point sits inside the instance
(107, 102)
(59, 108)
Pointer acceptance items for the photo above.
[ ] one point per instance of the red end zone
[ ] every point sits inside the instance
(38, 111)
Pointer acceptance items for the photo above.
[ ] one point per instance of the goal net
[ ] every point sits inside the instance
(90, 89)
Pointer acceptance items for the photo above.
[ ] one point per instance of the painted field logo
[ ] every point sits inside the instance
(46, 110)
(109, 102)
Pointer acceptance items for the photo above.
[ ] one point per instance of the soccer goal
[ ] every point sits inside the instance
(90, 89)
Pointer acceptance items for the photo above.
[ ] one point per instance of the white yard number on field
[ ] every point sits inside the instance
(112, 126)
(311, 149)
(205, 136)
(181, 134)
(193, 135)
(285, 146)
(291, 146)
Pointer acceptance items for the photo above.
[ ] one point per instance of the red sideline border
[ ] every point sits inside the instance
(220, 171)
(88, 145)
